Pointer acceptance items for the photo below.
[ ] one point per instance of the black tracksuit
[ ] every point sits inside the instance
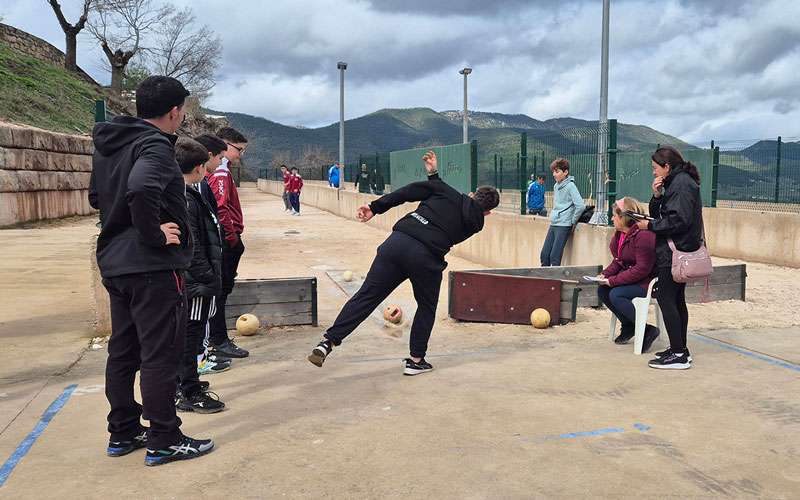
(415, 250)
(678, 216)
(137, 186)
(203, 284)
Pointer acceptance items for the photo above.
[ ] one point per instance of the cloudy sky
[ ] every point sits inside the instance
(698, 69)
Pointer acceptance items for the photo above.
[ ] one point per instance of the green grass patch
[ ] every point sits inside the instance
(37, 93)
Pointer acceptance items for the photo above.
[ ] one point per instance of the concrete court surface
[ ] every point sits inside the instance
(508, 412)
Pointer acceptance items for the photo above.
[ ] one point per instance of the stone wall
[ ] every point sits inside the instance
(43, 175)
(36, 47)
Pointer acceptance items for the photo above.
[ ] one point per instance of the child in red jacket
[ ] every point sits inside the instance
(295, 186)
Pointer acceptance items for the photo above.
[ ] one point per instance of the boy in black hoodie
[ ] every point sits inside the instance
(415, 250)
(203, 278)
(143, 249)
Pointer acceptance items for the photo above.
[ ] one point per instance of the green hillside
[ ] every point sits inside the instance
(394, 129)
(36, 93)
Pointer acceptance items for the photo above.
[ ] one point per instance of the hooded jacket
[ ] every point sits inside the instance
(678, 215)
(229, 209)
(204, 276)
(137, 186)
(567, 203)
(444, 218)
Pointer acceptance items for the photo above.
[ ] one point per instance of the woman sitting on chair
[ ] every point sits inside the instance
(628, 275)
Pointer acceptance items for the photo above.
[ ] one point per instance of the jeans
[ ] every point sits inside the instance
(148, 326)
(619, 300)
(554, 244)
(286, 202)
(399, 258)
(294, 199)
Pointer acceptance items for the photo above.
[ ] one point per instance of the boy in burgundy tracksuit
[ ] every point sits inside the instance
(229, 212)
(286, 174)
(295, 186)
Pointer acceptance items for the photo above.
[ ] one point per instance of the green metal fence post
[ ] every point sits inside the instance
(523, 159)
(611, 187)
(501, 174)
(520, 180)
(714, 173)
(99, 111)
(778, 172)
(495, 170)
(473, 161)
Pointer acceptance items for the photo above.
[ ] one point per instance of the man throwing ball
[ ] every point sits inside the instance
(415, 250)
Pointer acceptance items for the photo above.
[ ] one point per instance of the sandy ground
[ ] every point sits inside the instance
(509, 412)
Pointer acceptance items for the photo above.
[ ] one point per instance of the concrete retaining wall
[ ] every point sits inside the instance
(43, 175)
(511, 240)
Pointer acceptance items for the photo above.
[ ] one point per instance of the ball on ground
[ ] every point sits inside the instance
(347, 275)
(540, 318)
(393, 314)
(247, 325)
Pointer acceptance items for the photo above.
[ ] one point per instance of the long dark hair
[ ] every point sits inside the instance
(667, 155)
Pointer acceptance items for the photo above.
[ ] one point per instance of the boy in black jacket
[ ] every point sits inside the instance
(415, 250)
(143, 249)
(203, 278)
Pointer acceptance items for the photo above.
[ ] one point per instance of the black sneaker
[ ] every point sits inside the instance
(202, 402)
(667, 351)
(625, 335)
(217, 358)
(229, 350)
(120, 448)
(671, 362)
(207, 367)
(650, 335)
(320, 352)
(204, 385)
(411, 367)
(185, 449)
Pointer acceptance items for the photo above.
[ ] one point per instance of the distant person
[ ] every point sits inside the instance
(567, 209)
(378, 184)
(531, 181)
(363, 180)
(229, 210)
(634, 255)
(415, 250)
(678, 211)
(536, 197)
(295, 186)
(143, 250)
(203, 278)
(333, 175)
(287, 205)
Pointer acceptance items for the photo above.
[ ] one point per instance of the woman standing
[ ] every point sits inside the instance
(629, 274)
(677, 210)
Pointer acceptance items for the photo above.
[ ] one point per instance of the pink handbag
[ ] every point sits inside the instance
(690, 266)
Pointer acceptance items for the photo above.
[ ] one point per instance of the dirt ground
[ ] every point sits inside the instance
(509, 412)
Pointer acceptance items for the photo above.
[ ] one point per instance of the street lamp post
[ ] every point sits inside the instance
(601, 213)
(465, 72)
(341, 66)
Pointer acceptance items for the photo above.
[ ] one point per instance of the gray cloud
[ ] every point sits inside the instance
(694, 68)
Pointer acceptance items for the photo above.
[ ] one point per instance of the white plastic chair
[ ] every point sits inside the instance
(642, 306)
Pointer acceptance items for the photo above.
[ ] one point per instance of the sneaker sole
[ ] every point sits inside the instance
(659, 357)
(674, 366)
(211, 372)
(121, 452)
(316, 359)
(410, 372)
(226, 354)
(203, 411)
(176, 458)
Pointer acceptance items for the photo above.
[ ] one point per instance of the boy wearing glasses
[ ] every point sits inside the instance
(229, 211)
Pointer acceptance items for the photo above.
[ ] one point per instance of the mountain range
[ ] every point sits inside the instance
(395, 129)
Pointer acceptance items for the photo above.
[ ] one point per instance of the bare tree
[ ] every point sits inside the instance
(183, 50)
(121, 26)
(280, 157)
(71, 31)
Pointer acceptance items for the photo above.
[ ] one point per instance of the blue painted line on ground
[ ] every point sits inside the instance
(597, 432)
(746, 352)
(27, 443)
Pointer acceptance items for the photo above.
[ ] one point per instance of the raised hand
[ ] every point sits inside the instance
(658, 182)
(171, 231)
(364, 213)
(429, 159)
